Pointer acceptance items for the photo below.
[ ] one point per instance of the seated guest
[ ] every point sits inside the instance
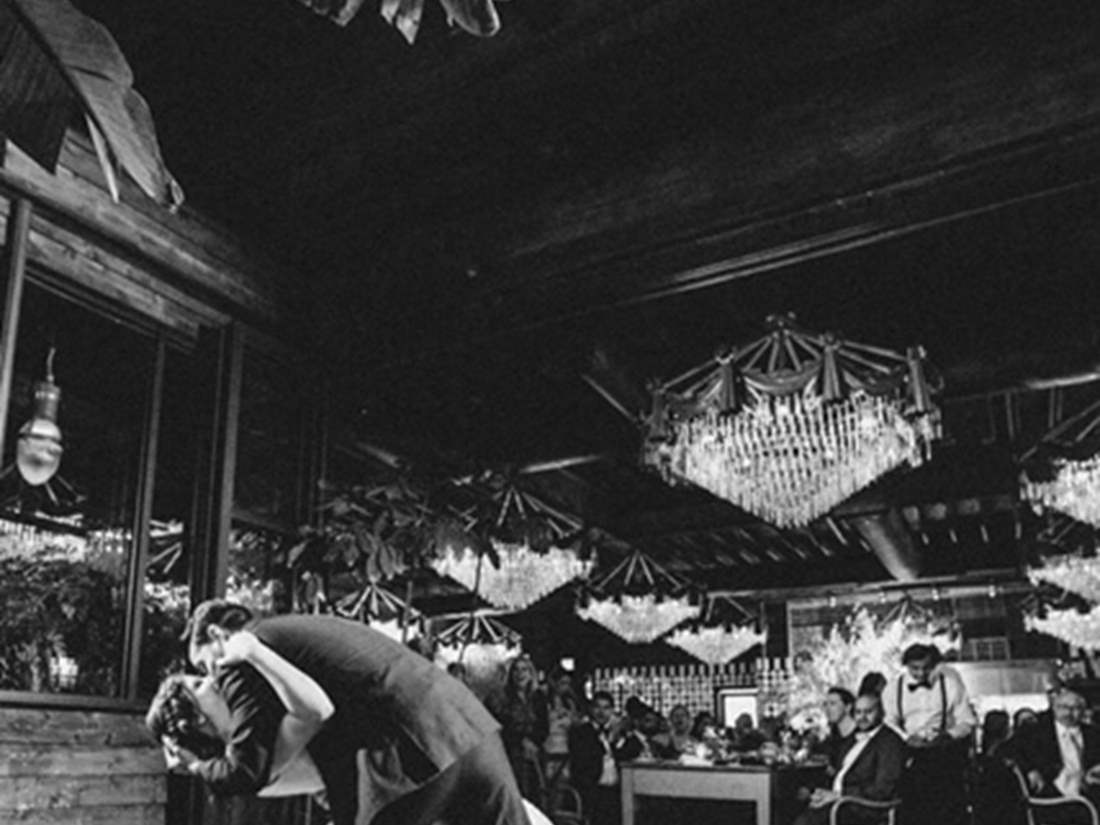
(596, 747)
(874, 682)
(870, 769)
(993, 789)
(1022, 718)
(678, 739)
(994, 732)
(704, 725)
(746, 737)
(1058, 754)
(839, 704)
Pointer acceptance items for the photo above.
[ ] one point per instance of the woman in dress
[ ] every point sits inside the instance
(523, 719)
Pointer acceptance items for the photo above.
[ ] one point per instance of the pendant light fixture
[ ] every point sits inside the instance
(38, 450)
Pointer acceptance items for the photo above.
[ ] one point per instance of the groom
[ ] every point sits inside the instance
(407, 743)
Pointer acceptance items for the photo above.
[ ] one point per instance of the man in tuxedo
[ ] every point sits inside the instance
(929, 705)
(1059, 755)
(870, 769)
(406, 745)
(596, 747)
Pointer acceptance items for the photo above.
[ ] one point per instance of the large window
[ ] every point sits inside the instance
(179, 471)
(68, 536)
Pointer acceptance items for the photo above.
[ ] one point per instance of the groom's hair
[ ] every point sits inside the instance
(174, 714)
(225, 614)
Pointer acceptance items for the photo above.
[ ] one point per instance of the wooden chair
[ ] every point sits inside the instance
(1037, 806)
(888, 807)
(564, 805)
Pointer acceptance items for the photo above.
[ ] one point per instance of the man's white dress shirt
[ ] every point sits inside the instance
(1071, 744)
(862, 738)
(922, 710)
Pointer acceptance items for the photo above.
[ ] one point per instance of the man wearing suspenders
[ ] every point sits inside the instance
(928, 704)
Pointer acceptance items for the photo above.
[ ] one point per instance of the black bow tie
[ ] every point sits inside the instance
(919, 685)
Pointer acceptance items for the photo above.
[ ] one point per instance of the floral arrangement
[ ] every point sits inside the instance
(861, 645)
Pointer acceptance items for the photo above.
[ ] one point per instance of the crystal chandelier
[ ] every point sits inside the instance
(478, 641)
(714, 643)
(1070, 626)
(638, 617)
(790, 425)
(1075, 574)
(1065, 468)
(383, 611)
(522, 578)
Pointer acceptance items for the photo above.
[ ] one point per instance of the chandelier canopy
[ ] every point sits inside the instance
(638, 600)
(791, 424)
(1063, 471)
(478, 641)
(382, 610)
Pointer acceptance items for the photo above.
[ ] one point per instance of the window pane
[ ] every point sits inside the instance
(66, 538)
(257, 569)
(269, 443)
(167, 589)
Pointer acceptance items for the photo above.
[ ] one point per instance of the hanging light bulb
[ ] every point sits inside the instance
(38, 450)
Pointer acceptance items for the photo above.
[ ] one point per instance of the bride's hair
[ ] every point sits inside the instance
(173, 713)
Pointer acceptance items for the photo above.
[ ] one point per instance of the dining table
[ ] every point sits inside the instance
(772, 789)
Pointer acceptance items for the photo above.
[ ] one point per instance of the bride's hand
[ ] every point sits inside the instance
(240, 647)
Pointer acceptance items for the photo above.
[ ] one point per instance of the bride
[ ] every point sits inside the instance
(191, 720)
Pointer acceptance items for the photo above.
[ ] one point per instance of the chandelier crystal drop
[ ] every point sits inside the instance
(523, 577)
(716, 645)
(792, 424)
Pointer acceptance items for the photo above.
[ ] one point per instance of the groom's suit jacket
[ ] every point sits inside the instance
(401, 717)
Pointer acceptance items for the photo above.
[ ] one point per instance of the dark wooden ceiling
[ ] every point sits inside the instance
(614, 188)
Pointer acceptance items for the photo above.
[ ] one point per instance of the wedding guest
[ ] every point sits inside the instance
(871, 769)
(563, 711)
(839, 705)
(1059, 755)
(928, 703)
(522, 716)
(596, 747)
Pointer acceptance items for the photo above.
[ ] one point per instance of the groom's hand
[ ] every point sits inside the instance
(178, 759)
(240, 647)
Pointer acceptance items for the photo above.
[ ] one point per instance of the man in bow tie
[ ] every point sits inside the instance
(1059, 755)
(928, 704)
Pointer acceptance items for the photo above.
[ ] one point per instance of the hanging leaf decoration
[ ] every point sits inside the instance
(56, 61)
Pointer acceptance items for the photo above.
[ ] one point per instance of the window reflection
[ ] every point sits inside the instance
(166, 593)
(65, 545)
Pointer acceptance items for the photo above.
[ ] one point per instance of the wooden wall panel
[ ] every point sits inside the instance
(70, 767)
(198, 260)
